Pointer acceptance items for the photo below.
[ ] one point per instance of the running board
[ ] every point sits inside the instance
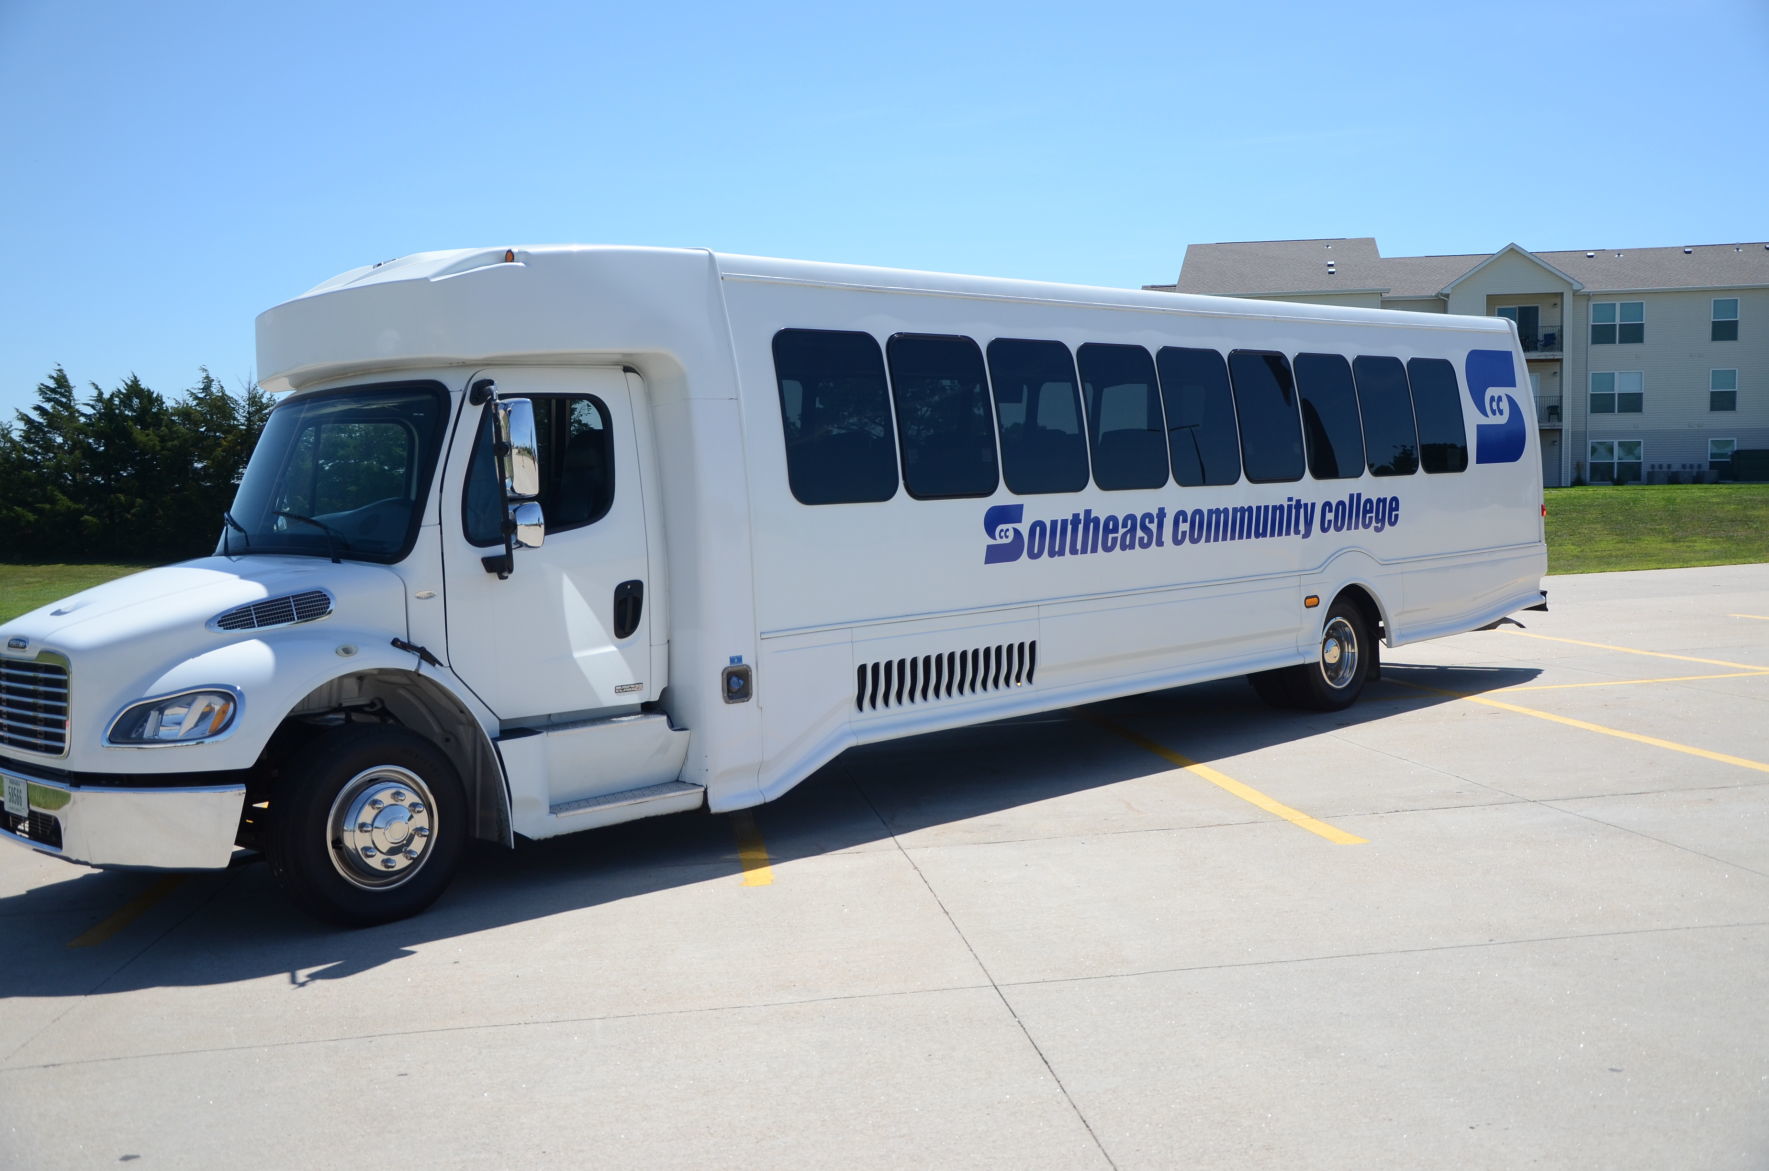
(627, 805)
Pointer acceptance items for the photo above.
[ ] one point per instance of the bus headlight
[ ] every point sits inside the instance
(185, 718)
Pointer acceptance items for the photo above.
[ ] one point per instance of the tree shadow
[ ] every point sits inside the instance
(231, 926)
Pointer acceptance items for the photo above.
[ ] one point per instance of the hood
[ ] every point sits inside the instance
(178, 601)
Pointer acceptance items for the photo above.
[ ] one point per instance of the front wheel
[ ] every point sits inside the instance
(367, 825)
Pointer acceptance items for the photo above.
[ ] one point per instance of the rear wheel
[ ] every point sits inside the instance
(367, 825)
(1342, 665)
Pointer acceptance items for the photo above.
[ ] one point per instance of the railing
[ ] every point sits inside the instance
(1548, 411)
(1548, 338)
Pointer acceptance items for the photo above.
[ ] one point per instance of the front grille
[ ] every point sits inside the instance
(924, 678)
(34, 706)
(42, 828)
(284, 611)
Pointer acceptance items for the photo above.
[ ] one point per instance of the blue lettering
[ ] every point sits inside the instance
(1108, 539)
(1035, 539)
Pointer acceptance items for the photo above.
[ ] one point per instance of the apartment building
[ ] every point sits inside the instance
(1648, 364)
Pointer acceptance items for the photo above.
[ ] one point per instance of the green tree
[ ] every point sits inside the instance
(125, 475)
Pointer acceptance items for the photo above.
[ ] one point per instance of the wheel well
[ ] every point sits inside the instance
(420, 705)
(1358, 596)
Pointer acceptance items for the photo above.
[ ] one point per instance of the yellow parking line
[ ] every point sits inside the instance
(128, 913)
(1604, 646)
(1631, 682)
(1722, 757)
(1758, 617)
(757, 871)
(1246, 793)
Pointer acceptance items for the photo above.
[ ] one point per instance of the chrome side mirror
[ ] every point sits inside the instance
(517, 449)
(520, 448)
(528, 528)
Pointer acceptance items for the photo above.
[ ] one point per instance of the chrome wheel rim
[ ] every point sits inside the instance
(381, 826)
(1339, 653)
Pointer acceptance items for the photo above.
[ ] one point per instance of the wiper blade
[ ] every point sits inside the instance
(334, 539)
(227, 519)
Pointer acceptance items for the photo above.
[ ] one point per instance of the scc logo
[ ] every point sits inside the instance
(1001, 523)
(1501, 440)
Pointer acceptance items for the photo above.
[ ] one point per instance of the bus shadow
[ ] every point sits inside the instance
(973, 785)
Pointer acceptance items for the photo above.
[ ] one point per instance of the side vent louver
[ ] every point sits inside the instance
(892, 683)
(284, 611)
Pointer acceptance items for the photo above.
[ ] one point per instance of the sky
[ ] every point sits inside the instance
(170, 170)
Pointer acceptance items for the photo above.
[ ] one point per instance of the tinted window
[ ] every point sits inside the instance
(576, 450)
(1271, 429)
(836, 414)
(1387, 411)
(1038, 410)
(943, 418)
(1330, 425)
(1437, 404)
(343, 473)
(1201, 436)
(1124, 425)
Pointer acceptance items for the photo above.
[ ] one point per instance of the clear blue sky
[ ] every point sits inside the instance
(172, 169)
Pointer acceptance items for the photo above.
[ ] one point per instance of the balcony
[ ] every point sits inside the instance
(1548, 411)
(1546, 341)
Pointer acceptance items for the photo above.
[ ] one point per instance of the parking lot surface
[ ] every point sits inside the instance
(1510, 910)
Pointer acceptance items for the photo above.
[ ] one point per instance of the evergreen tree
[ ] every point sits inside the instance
(125, 475)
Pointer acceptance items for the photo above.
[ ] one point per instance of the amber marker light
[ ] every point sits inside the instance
(1311, 601)
(509, 256)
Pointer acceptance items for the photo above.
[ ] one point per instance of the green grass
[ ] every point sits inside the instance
(1590, 530)
(1659, 526)
(25, 587)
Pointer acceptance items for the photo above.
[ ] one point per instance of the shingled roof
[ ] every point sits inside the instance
(1354, 264)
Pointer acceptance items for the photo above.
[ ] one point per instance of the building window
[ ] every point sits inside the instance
(1617, 321)
(1622, 392)
(1722, 390)
(1720, 456)
(1615, 461)
(1725, 323)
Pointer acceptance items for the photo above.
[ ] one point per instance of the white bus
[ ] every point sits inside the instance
(546, 539)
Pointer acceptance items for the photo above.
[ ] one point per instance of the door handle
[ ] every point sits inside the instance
(629, 604)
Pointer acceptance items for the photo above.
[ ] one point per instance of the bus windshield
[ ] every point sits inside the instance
(341, 474)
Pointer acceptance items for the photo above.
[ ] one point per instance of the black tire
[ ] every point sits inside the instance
(1344, 661)
(367, 825)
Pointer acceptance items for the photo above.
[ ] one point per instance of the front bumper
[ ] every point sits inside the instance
(187, 828)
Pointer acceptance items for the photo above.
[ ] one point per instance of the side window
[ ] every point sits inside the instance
(1271, 428)
(1201, 436)
(1330, 423)
(836, 416)
(1387, 412)
(576, 450)
(1437, 404)
(942, 399)
(1125, 428)
(1038, 412)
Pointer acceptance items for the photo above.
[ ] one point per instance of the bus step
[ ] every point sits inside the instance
(675, 795)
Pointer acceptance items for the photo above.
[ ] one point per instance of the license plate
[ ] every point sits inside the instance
(15, 797)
